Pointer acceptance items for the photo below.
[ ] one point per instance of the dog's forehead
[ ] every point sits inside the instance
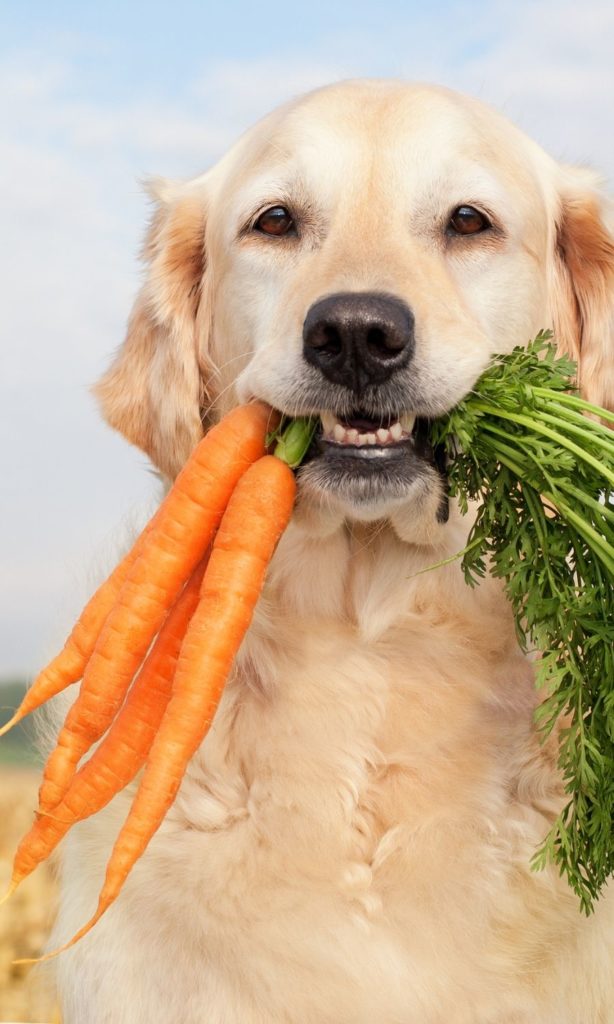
(401, 136)
(377, 112)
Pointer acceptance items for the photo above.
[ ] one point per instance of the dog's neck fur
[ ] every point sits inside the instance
(381, 610)
(376, 576)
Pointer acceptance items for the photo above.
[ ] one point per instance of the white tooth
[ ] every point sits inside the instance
(396, 431)
(407, 421)
(370, 438)
(383, 435)
(351, 436)
(328, 422)
(339, 432)
(362, 439)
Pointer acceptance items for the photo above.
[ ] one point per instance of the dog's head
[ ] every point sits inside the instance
(359, 255)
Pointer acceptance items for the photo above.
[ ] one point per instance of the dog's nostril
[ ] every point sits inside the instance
(326, 338)
(384, 344)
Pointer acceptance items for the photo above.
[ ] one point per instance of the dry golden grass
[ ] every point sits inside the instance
(26, 994)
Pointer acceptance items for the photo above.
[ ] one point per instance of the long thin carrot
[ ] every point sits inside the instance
(68, 666)
(257, 514)
(124, 749)
(184, 527)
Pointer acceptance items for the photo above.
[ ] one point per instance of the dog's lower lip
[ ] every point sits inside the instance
(371, 451)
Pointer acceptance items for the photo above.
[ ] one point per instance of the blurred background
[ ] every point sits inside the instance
(92, 99)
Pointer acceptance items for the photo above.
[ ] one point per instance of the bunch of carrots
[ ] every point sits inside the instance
(155, 644)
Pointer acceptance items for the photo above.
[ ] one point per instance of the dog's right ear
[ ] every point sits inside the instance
(583, 292)
(155, 389)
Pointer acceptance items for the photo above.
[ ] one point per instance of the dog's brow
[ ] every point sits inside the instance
(270, 189)
(259, 191)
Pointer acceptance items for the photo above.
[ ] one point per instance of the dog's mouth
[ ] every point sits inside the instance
(365, 433)
(368, 459)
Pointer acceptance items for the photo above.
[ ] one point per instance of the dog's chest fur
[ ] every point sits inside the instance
(353, 838)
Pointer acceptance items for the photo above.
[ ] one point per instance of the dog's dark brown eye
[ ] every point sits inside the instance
(276, 221)
(466, 220)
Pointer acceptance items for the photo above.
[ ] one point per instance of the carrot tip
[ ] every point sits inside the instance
(9, 892)
(11, 722)
(28, 960)
(71, 942)
(46, 956)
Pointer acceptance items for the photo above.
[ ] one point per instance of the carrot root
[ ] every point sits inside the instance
(9, 892)
(17, 717)
(62, 949)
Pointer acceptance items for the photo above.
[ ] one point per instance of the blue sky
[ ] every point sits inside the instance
(93, 97)
(157, 46)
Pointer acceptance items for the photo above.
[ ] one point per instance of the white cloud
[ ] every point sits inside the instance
(551, 69)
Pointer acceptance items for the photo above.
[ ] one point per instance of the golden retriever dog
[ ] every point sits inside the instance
(352, 842)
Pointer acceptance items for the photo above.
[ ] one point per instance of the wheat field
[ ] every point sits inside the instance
(26, 994)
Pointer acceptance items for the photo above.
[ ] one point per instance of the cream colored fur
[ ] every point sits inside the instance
(351, 844)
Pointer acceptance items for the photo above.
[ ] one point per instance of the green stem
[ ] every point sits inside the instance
(600, 547)
(537, 514)
(448, 561)
(511, 453)
(579, 431)
(579, 403)
(602, 510)
(564, 484)
(294, 440)
(554, 496)
(566, 487)
(595, 429)
(536, 427)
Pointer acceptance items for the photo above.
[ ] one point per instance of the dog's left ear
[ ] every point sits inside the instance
(583, 299)
(156, 389)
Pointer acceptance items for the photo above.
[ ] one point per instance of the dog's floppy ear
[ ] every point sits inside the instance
(583, 301)
(154, 391)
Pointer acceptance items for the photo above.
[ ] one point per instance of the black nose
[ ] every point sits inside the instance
(359, 338)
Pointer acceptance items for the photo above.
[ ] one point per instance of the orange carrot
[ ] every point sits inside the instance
(125, 748)
(184, 527)
(68, 666)
(257, 514)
